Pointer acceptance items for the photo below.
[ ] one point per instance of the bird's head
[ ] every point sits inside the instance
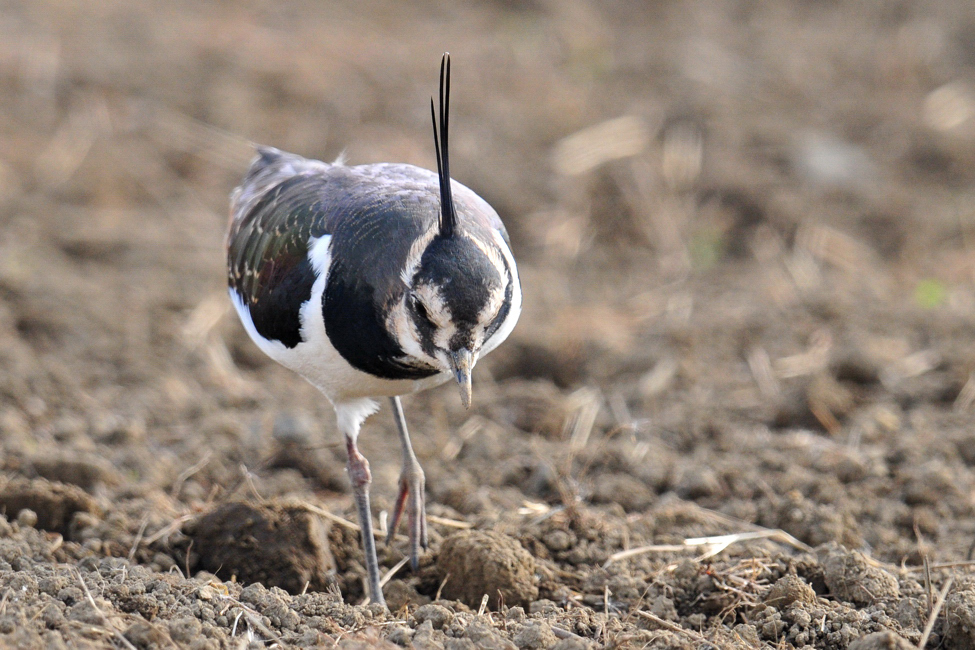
(457, 283)
(454, 301)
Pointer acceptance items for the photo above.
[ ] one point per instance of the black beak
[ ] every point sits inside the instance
(462, 361)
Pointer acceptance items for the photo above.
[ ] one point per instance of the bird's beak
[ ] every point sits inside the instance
(462, 360)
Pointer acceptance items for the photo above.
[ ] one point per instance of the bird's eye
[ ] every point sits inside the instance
(419, 308)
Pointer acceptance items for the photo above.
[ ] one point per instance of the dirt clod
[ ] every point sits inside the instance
(850, 577)
(960, 619)
(276, 544)
(53, 503)
(486, 562)
(882, 641)
(438, 615)
(536, 635)
(84, 471)
(145, 635)
(789, 589)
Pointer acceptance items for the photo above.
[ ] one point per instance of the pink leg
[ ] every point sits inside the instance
(361, 478)
(412, 496)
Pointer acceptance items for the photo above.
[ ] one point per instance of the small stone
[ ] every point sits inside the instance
(536, 635)
(516, 614)
(27, 518)
(543, 606)
(184, 629)
(53, 616)
(84, 470)
(664, 608)
(459, 644)
(438, 615)
(787, 590)
(485, 636)
(400, 635)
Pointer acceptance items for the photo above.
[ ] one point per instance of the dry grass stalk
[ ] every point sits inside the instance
(564, 634)
(824, 415)
(331, 517)
(912, 365)
(814, 359)
(942, 565)
(837, 248)
(966, 396)
(533, 508)
(803, 269)
(683, 155)
(224, 371)
(167, 530)
(203, 319)
(584, 405)
(248, 478)
(253, 619)
(713, 545)
(393, 571)
(199, 333)
(926, 634)
(761, 367)
(101, 615)
(659, 378)
(673, 627)
(443, 583)
(596, 145)
(450, 523)
(69, 147)
(465, 432)
(190, 471)
(138, 537)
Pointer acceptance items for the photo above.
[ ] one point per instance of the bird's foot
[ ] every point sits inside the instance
(412, 499)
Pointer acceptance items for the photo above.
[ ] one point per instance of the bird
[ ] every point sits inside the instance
(372, 281)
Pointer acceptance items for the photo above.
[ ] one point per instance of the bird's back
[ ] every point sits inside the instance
(374, 218)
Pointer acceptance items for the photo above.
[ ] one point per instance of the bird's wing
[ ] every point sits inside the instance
(372, 213)
(274, 214)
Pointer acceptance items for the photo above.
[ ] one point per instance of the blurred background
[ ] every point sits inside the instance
(735, 221)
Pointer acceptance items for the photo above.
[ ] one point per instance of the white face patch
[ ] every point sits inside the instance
(404, 331)
(415, 255)
(436, 307)
(493, 305)
(494, 256)
(438, 312)
(400, 325)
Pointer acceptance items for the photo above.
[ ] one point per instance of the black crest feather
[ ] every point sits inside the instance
(448, 217)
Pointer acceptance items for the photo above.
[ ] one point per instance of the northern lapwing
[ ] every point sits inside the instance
(372, 281)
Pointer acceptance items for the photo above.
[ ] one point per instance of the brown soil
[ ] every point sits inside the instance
(739, 410)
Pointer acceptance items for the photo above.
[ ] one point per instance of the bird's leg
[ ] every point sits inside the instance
(412, 497)
(361, 477)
